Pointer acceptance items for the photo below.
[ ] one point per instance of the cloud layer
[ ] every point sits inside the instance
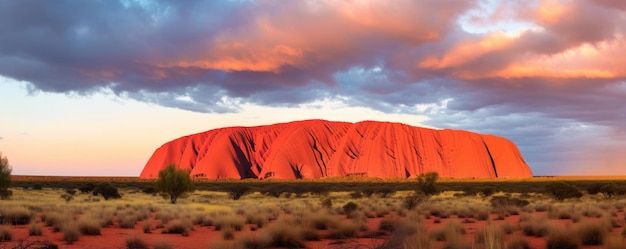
(520, 69)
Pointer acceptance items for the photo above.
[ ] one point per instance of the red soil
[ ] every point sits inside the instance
(319, 148)
(201, 237)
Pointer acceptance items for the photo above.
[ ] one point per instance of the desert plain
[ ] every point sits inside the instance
(325, 213)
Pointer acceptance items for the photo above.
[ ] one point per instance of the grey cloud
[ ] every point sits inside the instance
(133, 47)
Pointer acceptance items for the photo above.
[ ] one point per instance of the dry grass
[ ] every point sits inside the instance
(560, 238)
(178, 226)
(291, 222)
(535, 226)
(35, 229)
(591, 233)
(89, 225)
(70, 231)
(135, 242)
(5, 234)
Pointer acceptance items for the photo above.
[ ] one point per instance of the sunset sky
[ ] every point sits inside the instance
(94, 87)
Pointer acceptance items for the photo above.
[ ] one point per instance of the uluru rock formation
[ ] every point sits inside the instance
(319, 148)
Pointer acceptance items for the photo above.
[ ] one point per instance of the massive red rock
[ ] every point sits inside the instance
(319, 148)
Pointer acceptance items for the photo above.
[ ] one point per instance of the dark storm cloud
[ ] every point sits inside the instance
(565, 69)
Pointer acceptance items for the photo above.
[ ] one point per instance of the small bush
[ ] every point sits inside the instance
(107, 190)
(37, 186)
(5, 234)
(89, 226)
(228, 233)
(559, 239)
(504, 201)
(592, 233)
(5, 194)
(411, 201)
(15, 215)
(389, 224)
(134, 242)
(128, 221)
(150, 190)
(322, 221)
(427, 183)
(70, 231)
(35, 229)
(146, 227)
(534, 226)
(236, 191)
(87, 187)
(356, 195)
(177, 226)
(250, 241)
(451, 232)
(349, 207)
(563, 190)
(326, 203)
(284, 234)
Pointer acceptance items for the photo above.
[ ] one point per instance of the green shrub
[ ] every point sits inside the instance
(326, 203)
(174, 182)
(356, 195)
(350, 207)
(236, 191)
(87, 187)
(504, 201)
(411, 201)
(427, 183)
(385, 192)
(563, 190)
(107, 190)
(5, 178)
(37, 186)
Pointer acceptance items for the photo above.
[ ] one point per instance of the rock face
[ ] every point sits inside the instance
(319, 148)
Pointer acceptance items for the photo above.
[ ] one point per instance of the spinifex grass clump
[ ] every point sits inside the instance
(35, 229)
(5, 234)
(89, 226)
(134, 242)
(591, 233)
(15, 215)
(558, 238)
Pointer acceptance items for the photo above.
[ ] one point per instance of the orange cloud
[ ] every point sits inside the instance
(466, 52)
(602, 61)
(551, 11)
(243, 56)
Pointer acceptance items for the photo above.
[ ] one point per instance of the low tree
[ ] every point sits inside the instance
(5, 177)
(107, 190)
(563, 190)
(236, 191)
(427, 183)
(174, 182)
